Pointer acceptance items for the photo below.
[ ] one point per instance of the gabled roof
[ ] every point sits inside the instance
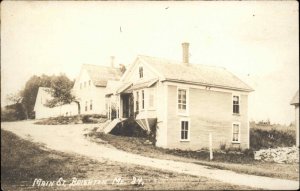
(295, 100)
(101, 74)
(195, 74)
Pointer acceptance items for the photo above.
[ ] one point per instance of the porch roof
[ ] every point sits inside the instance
(146, 84)
(123, 87)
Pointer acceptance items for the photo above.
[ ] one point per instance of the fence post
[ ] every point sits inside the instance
(210, 147)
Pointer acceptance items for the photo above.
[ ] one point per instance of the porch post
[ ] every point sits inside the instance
(109, 109)
(117, 106)
(121, 106)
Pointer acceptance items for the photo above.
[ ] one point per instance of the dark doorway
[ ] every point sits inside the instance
(128, 105)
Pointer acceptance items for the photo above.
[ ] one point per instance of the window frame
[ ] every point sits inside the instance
(141, 72)
(188, 131)
(239, 104)
(179, 111)
(239, 135)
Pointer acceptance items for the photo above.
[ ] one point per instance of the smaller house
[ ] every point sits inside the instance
(295, 102)
(42, 111)
(90, 87)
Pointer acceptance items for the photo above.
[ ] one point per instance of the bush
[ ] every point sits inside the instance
(263, 139)
(86, 119)
(14, 112)
(222, 146)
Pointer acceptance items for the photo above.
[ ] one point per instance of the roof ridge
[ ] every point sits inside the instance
(179, 62)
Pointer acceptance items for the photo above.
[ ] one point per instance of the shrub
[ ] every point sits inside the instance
(222, 146)
(13, 112)
(87, 119)
(263, 139)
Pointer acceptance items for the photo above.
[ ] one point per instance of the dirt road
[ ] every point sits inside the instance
(70, 138)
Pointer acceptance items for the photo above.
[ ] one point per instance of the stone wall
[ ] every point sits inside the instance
(278, 155)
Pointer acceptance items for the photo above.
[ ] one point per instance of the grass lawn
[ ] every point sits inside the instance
(22, 161)
(230, 161)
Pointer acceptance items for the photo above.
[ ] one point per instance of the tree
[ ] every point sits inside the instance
(61, 91)
(15, 111)
(30, 91)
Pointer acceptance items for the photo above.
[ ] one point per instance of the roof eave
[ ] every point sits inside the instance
(211, 85)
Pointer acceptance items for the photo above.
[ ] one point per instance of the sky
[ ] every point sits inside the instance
(257, 41)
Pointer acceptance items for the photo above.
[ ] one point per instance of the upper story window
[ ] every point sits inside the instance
(141, 72)
(143, 99)
(182, 100)
(91, 104)
(184, 125)
(236, 132)
(236, 104)
(137, 101)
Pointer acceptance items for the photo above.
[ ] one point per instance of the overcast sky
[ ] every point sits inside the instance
(257, 41)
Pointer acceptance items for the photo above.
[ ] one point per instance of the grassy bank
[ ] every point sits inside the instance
(22, 161)
(238, 162)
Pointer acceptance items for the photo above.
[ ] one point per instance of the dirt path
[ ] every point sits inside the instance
(70, 138)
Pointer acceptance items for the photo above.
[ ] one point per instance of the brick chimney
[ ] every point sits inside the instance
(185, 52)
(112, 61)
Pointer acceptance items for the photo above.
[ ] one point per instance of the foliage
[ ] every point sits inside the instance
(87, 119)
(153, 131)
(30, 91)
(272, 138)
(14, 112)
(61, 87)
(61, 92)
(63, 120)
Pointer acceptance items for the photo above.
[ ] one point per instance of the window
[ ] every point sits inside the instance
(143, 99)
(86, 103)
(236, 132)
(141, 72)
(80, 85)
(137, 102)
(151, 98)
(89, 82)
(91, 104)
(84, 84)
(184, 130)
(236, 104)
(182, 100)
